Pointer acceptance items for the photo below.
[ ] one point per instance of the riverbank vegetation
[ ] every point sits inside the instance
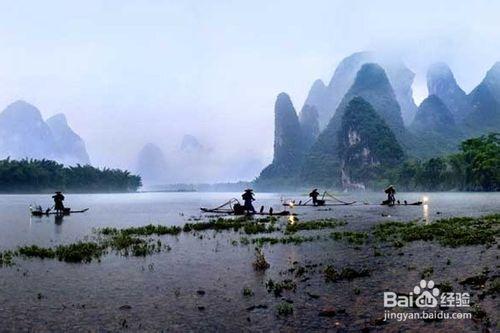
(475, 168)
(35, 176)
(139, 241)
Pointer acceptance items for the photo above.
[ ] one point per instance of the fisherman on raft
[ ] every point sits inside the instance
(247, 199)
(314, 195)
(58, 202)
(391, 198)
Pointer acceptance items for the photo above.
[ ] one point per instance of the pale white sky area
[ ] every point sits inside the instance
(130, 72)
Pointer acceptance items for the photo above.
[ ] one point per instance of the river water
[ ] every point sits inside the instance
(160, 291)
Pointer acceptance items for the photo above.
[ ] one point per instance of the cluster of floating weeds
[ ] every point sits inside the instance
(427, 272)
(452, 232)
(258, 228)
(260, 263)
(347, 273)
(278, 287)
(75, 253)
(6, 258)
(445, 287)
(353, 237)
(138, 247)
(314, 225)
(284, 309)
(247, 291)
(147, 230)
(448, 232)
(283, 240)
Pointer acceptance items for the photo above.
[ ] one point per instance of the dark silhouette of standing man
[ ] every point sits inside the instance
(58, 202)
(247, 199)
(314, 195)
(391, 198)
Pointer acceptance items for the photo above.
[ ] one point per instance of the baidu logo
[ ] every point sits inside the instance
(426, 295)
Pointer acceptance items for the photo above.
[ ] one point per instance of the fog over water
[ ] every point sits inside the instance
(126, 73)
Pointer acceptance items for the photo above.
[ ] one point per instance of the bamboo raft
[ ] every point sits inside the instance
(416, 203)
(66, 212)
(320, 203)
(234, 207)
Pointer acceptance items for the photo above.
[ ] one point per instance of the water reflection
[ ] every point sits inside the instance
(58, 220)
(425, 209)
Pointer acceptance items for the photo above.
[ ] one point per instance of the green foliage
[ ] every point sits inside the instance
(277, 288)
(347, 273)
(147, 230)
(475, 168)
(247, 291)
(45, 175)
(353, 237)
(367, 146)
(314, 225)
(75, 253)
(6, 258)
(453, 232)
(284, 309)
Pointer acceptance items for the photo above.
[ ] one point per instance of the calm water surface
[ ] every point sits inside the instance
(161, 291)
(137, 209)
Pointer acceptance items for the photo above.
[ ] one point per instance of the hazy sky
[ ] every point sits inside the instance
(130, 72)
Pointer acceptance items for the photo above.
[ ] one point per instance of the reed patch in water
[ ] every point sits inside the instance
(353, 237)
(452, 232)
(314, 225)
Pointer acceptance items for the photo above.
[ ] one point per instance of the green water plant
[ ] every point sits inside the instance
(247, 291)
(353, 237)
(284, 309)
(260, 263)
(314, 225)
(452, 232)
(6, 258)
(347, 273)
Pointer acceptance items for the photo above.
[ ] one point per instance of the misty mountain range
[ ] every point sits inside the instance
(365, 123)
(24, 134)
(191, 162)
(318, 145)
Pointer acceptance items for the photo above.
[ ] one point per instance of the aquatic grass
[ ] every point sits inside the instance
(452, 232)
(247, 292)
(494, 288)
(347, 273)
(445, 287)
(284, 240)
(278, 287)
(476, 281)
(126, 244)
(427, 272)
(147, 230)
(314, 225)
(284, 309)
(353, 237)
(73, 253)
(31, 251)
(79, 252)
(249, 225)
(6, 258)
(257, 228)
(260, 263)
(218, 224)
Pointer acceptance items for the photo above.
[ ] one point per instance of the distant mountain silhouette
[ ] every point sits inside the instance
(24, 134)
(442, 83)
(484, 100)
(151, 165)
(72, 149)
